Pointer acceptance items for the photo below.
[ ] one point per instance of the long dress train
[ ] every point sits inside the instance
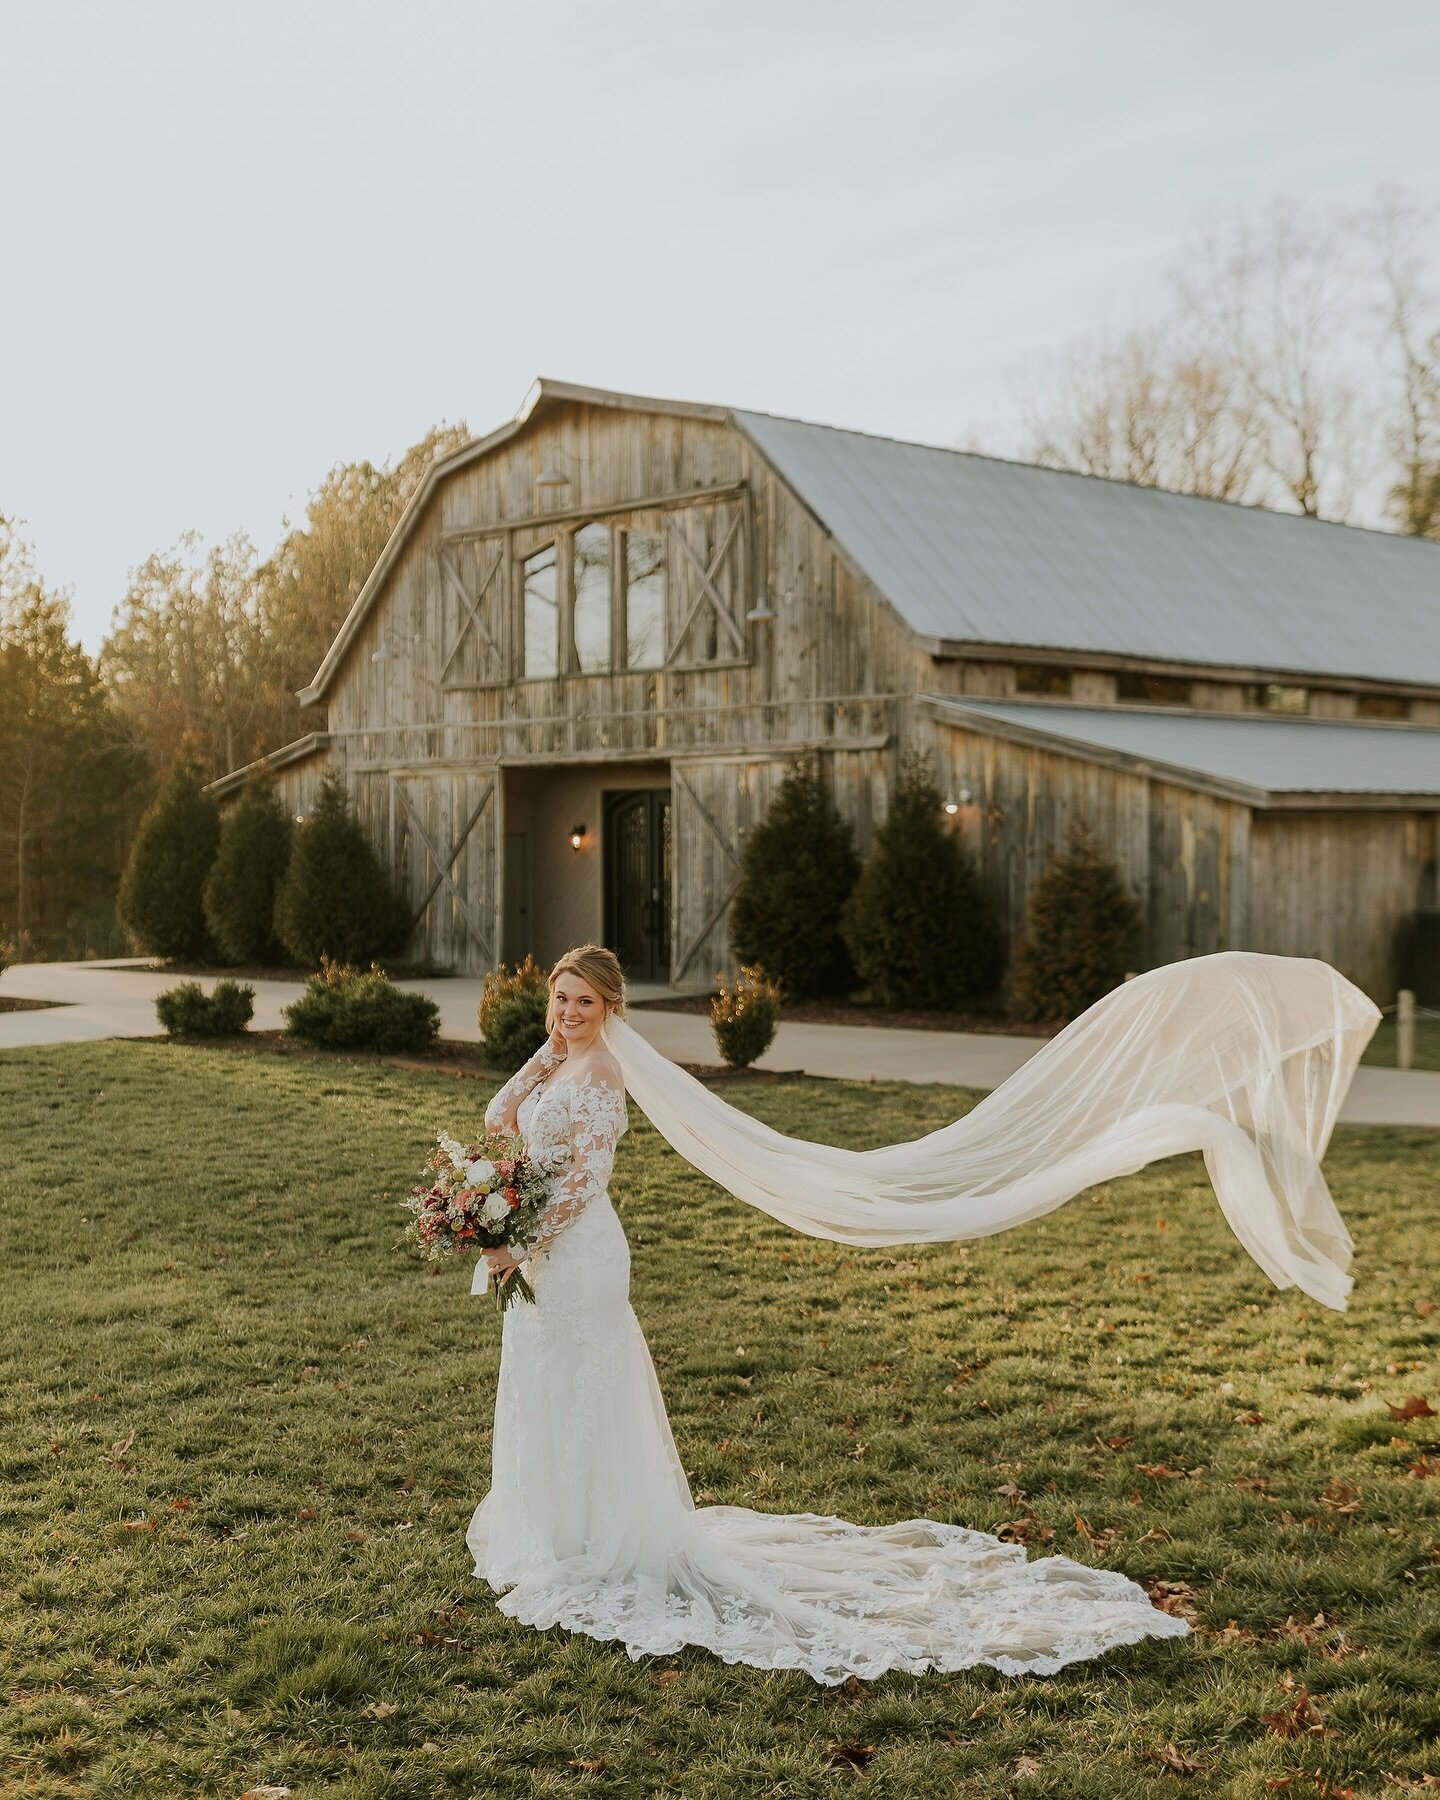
(589, 1521)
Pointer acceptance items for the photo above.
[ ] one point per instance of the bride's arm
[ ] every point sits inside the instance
(505, 1102)
(597, 1120)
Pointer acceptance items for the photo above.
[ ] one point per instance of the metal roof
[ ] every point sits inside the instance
(1255, 757)
(975, 549)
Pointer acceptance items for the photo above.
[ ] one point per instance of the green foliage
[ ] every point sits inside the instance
(243, 882)
(1081, 934)
(7, 954)
(796, 874)
(72, 783)
(161, 890)
(263, 1611)
(335, 899)
(187, 1011)
(920, 924)
(744, 1016)
(512, 1013)
(345, 1008)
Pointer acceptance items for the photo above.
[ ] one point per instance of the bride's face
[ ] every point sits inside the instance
(579, 1011)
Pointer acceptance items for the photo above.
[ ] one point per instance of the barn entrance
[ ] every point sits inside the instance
(636, 839)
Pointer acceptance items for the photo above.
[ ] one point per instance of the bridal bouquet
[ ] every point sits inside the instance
(480, 1197)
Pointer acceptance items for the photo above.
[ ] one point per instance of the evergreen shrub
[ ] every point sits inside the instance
(744, 1016)
(921, 925)
(1081, 935)
(160, 899)
(240, 890)
(335, 899)
(512, 1013)
(188, 1011)
(345, 1008)
(796, 873)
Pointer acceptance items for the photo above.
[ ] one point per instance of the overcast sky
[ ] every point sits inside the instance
(244, 242)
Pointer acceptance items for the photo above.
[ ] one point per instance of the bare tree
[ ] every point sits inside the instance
(1409, 317)
(1147, 411)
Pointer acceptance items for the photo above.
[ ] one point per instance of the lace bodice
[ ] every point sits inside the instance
(569, 1123)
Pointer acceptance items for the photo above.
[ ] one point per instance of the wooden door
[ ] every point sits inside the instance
(637, 881)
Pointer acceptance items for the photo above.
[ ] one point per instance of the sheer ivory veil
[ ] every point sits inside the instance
(1242, 1055)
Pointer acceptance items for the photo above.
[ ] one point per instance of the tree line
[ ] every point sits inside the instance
(204, 653)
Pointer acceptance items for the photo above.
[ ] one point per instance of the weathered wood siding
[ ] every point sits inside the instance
(829, 672)
(1339, 885)
(1183, 855)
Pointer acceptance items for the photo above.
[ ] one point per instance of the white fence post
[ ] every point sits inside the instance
(1404, 1028)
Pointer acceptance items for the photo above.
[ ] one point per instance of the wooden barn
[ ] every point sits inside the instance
(598, 635)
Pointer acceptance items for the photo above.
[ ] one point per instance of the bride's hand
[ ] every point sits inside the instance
(502, 1263)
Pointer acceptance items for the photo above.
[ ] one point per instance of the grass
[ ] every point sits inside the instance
(1381, 1050)
(243, 1435)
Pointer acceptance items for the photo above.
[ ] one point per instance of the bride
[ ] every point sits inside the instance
(589, 1521)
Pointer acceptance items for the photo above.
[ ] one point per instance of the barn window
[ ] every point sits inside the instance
(1274, 696)
(1381, 706)
(591, 615)
(644, 562)
(542, 615)
(1041, 678)
(1157, 690)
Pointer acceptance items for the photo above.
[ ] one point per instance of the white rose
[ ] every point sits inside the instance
(495, 1209)
(480, 1173)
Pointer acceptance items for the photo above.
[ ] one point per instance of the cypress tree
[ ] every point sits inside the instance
(245, 877)
(160, 898)
(1081, 934)
(921, 925)
(796, 874)
(335, 898)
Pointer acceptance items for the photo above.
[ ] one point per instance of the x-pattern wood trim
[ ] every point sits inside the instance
(471, 605)
(444, 865)
(708, 590)
(678, 779)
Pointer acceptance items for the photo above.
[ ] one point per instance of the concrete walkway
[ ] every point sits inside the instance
(117, 999)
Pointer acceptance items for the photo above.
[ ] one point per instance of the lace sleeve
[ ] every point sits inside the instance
(597, 1123)
(505, 1102)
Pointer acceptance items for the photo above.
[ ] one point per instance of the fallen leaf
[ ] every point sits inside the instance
(853, 1688)
(1027, 1765)
(1302, 1718)
(266, 1793)
(379, 1709)
(1250, 1418)
(1413, 1406)
(181, 1505)
(1175, 1597)
(665, 1678)
(356, 1537)
(1174, 1760)
(1421, 1470)
(118, 1450)
(1425, 1308)
(1339, 1497)
(587, 1766)
(852, 1756)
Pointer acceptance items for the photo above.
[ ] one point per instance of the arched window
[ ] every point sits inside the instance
(542, 614)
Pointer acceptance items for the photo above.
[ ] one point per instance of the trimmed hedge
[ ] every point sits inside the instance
(796, 873)
(512, 1013)
(240, 890)
(921, 925)
(744, 1016)
(345, 1008)
(188, 1011)
(1082, 934)
(335, 899)
(160, 898)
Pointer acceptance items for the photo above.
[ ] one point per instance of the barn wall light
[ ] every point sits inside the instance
(577, 837)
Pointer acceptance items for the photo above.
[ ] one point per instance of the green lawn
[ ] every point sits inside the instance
(1381, 1049)
(243, 1435)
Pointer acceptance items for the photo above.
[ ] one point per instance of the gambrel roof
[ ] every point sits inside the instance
(974, 551)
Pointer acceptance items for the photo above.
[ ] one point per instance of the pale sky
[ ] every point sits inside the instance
(244, 242)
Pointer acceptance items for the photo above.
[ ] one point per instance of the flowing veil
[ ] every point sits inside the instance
(1242, 1055)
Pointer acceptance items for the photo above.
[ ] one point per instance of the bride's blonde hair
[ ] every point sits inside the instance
(595, 964)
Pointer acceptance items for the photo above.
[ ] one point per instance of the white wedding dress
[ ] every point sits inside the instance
(589, 1522)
